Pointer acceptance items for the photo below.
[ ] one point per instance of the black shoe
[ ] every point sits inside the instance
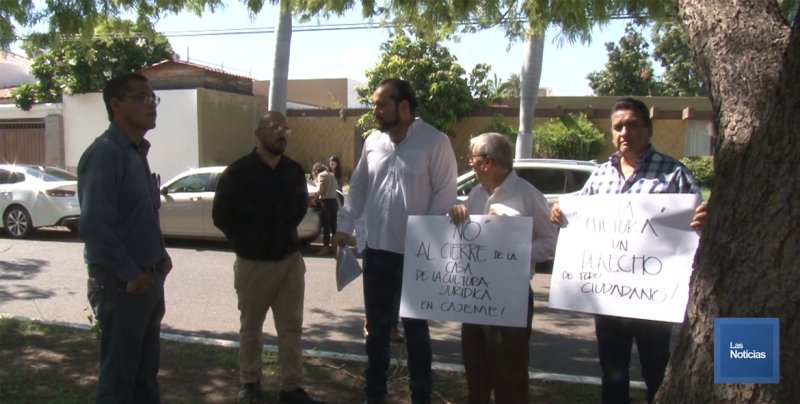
(250, 393)
(298, 396)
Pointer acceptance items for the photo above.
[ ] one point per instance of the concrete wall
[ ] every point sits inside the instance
(605, 103)
(226, 125)
(351, 95)
(315, 139)
(313, 92)
(54, 141)
(13, 75)
(174, 140)
(669, 136)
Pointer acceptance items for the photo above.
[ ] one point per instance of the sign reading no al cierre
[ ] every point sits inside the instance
(477, 272)
(626, 255)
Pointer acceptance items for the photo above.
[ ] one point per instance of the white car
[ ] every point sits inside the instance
(36, 196)
(554, 178)
(187, 201)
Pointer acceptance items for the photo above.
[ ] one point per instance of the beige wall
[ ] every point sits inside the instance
(226, 125)
(318, 92)
(663, 103)
(669, 136)
(315, 139)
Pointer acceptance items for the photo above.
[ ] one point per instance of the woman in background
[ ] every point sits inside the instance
(336, 169)
(329, 205)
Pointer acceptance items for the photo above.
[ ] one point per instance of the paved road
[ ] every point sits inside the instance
(45, 277)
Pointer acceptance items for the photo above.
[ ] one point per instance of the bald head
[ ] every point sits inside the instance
(272, 132)
(271, 118)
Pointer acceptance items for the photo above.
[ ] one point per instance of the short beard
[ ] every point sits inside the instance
(389, 125)
(273, 150)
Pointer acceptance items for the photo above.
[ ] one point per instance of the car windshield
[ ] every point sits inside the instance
(50, 174)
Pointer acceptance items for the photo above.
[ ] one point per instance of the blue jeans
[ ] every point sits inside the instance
(383, 277)
(130, 343)
(615, 337)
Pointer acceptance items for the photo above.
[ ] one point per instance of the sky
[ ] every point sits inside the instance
(348, 54)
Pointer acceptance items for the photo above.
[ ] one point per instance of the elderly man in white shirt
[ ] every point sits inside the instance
(408, 168)
(496, 358)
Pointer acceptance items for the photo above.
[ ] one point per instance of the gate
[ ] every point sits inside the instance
(22, 142)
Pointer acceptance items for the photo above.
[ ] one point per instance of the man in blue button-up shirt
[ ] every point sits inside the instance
(124, 247)
(635, 168)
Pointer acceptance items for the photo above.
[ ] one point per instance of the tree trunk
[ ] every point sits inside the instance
(530, 76)
(279, 84)
(747, 261)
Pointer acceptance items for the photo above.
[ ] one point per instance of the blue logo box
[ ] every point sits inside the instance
(746, 350)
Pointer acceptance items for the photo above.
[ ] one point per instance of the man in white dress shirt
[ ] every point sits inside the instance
(495, 357)
(408, 168)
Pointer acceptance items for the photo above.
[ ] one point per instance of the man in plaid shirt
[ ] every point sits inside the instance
(636, 168)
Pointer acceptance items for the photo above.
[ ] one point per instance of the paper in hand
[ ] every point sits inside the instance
(347, 268)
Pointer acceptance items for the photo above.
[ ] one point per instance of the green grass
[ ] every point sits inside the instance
(706, 192)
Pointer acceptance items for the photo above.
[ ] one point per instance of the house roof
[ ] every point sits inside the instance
(5, 93)
(199, 66)
(14, 59)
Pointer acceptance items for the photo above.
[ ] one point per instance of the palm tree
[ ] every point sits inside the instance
(529, 90)
(514, 85)
(280, 68)
(498, 90)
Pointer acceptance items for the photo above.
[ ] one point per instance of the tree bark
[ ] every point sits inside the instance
(279, 84)
(530, 76)
(747, 261)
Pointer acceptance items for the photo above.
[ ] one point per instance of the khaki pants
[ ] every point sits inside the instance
(261, 285)
(496, 359)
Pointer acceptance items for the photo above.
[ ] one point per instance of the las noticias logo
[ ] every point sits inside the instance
(745, 354)
(746, 350)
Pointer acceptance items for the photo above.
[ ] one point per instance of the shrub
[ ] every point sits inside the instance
(703, 169)
(500, 126)
(570, 137)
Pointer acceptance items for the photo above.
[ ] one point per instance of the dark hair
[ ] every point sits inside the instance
(318, 168)
(400, 90)
(337, 172)
(632, 104)
(117, 87)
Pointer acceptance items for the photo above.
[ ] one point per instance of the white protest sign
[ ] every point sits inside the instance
(477, 272)
(625, 255)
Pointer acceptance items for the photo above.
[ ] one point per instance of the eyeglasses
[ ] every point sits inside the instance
(277, 128)
(145, 99)
(471, 157)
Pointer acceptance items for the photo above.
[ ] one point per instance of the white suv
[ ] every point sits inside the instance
(552, 177)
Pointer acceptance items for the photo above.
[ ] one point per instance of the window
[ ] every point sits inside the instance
(465, 187)
(190, 183)
(576, 180)
(10, 177)
(699, 139)
(546, 180)
(49, 174)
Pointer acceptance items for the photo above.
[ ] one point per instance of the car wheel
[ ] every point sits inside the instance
(18, 222)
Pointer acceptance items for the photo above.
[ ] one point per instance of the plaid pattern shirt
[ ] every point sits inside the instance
(655, 173)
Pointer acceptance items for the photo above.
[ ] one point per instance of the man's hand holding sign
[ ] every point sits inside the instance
(496, 353)
(626, 255)
(627, 251)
